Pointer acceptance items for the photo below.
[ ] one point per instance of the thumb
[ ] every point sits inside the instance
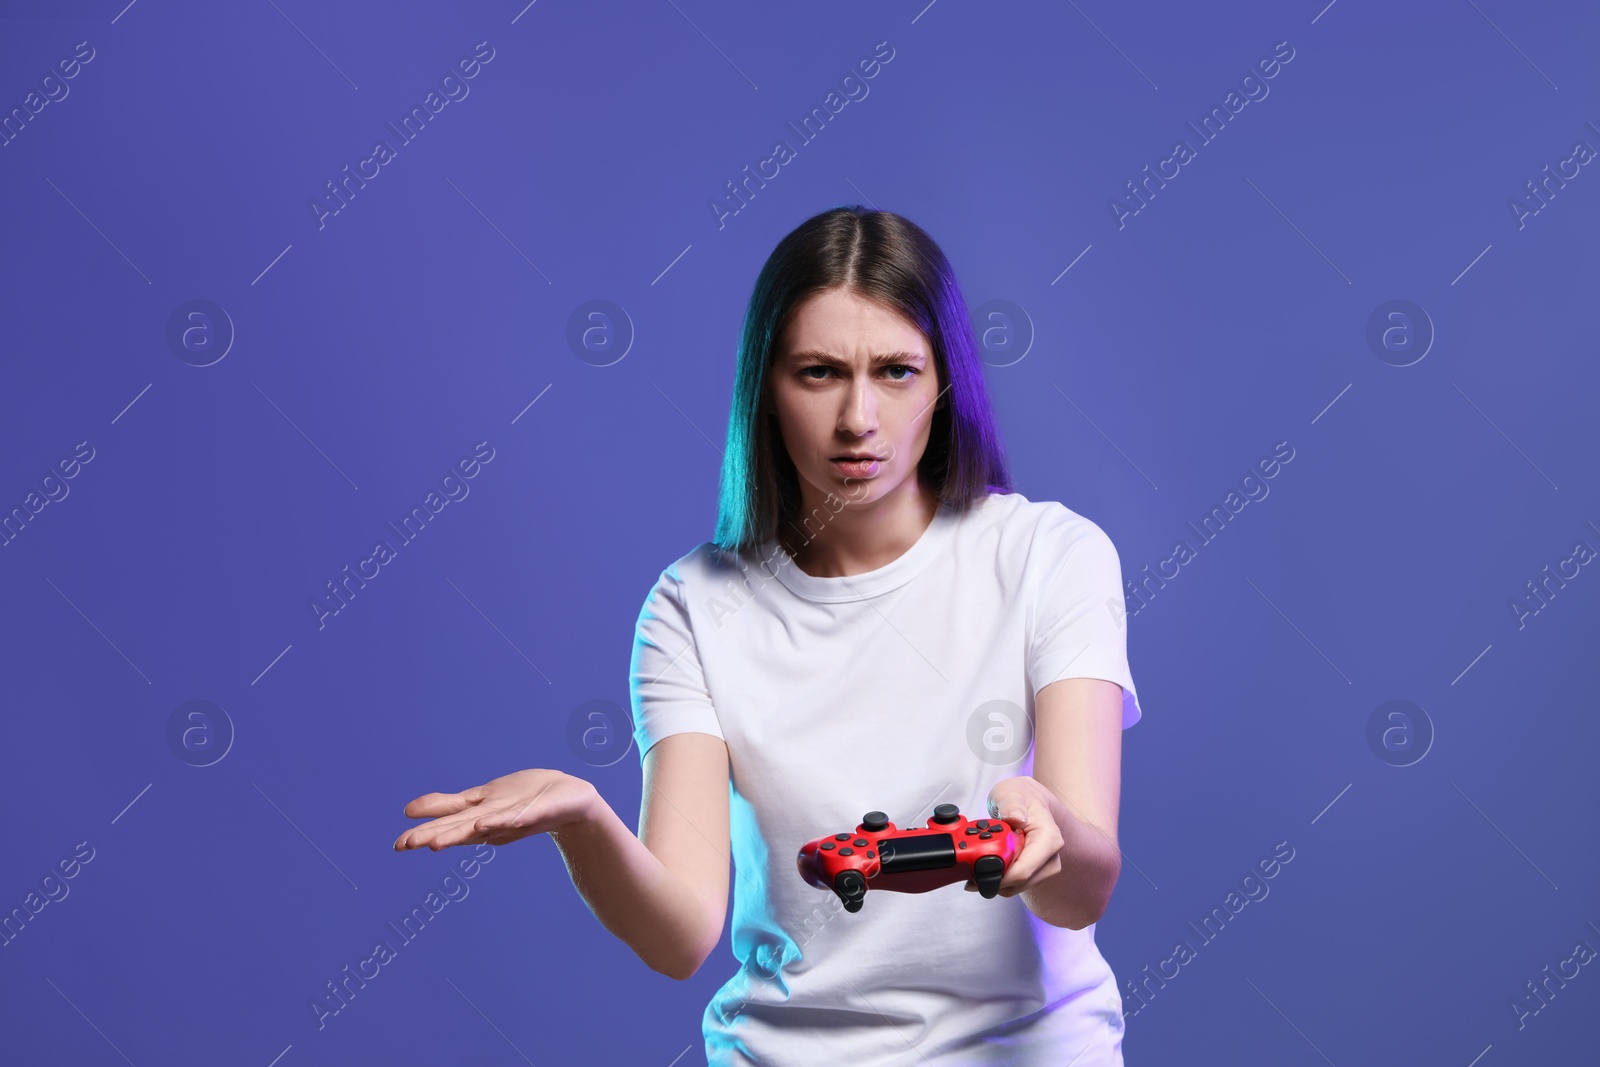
(1017, 812)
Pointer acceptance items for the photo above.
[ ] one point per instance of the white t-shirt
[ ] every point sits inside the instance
(894, 690)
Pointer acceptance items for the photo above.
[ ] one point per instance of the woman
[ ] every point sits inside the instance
(880, 623)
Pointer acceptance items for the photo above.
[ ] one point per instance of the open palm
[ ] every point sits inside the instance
(500, 811)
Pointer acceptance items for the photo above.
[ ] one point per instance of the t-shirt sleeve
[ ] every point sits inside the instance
(1079, 625)
(667, 686)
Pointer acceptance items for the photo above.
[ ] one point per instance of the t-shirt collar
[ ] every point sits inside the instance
(910, 563)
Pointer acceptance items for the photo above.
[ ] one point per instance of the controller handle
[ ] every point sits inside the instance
(988, 872)
(851, 887)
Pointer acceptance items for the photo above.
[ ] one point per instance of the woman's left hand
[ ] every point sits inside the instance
(1024, 803)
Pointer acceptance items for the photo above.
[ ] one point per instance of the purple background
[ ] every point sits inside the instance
(371, 354)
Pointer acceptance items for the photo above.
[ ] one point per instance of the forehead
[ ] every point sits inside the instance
(843, 323)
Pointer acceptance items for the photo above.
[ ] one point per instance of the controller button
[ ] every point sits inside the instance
(871, 855)
(861, 842)
(841, 837)
(988, 872)
(963, 844)
(985, 836)
(873, 821)
(946, 813)
(826, 845)
(982, 824)
(971, 830)
(847, 852)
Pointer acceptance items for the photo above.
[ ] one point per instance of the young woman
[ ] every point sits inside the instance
(879, 624)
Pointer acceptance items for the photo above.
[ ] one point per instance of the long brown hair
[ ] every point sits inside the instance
(892, 261)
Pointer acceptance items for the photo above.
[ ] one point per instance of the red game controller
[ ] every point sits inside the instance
(949, 849)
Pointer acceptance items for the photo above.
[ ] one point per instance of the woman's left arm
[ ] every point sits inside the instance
(1070, 861)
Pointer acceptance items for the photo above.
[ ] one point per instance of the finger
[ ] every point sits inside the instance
(433, 805)
(1041, 865)
(1048, 870)
(1041, 848)
(469, 823)
(460, 833)
(428, 834)
(1017, 876)
(1020, 817)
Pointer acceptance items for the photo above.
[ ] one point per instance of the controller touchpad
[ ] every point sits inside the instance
(921, 853)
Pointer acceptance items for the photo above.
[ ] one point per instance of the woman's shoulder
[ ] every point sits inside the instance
(1038, 518)
(1037, 537)
(708, 563)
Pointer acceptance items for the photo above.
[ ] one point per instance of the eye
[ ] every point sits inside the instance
(911, 372)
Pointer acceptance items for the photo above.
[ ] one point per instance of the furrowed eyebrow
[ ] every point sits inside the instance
(879, 360)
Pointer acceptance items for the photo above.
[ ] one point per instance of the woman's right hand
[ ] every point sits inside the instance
(513, 806)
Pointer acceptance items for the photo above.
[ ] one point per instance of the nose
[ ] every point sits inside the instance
(859, 416)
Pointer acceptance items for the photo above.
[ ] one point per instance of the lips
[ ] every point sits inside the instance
(862, 458)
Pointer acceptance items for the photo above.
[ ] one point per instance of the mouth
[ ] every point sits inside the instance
(852, 466)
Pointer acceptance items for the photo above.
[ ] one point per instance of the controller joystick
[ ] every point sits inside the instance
(878, 855)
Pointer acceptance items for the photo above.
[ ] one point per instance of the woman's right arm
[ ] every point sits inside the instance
(664, 893)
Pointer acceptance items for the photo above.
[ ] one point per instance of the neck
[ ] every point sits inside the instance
(859, 537)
